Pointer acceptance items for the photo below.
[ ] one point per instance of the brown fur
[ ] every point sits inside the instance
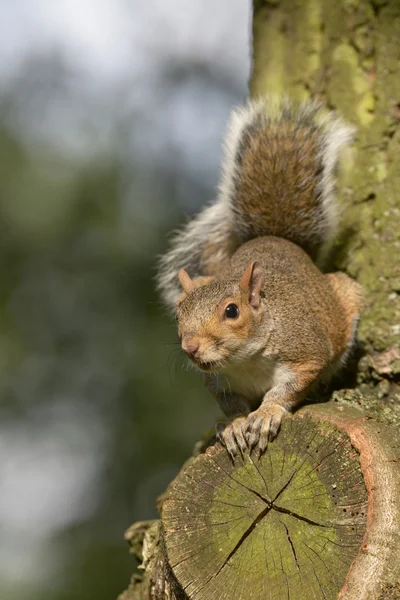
(280, 168)
(227, 244)
(312, 313)
(295, 325)
(310, 316)
(349, 295)
(209, 326)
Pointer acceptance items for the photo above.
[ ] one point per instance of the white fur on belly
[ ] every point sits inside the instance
(254, 378)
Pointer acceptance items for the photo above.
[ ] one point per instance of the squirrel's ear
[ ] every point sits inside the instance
(192, 284)
(185, 281)
(251, 283)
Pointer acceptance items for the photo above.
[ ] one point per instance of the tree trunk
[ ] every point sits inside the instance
(317, 516)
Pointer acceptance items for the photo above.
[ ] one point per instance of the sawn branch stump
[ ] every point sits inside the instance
(286, 525)
(317, 517)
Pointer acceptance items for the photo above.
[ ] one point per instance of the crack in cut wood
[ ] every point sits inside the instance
(245, 535)
(269, 506)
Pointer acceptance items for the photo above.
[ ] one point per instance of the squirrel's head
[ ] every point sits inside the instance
(218, 319)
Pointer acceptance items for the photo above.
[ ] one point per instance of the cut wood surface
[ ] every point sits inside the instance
(285, 525)
(316, 517)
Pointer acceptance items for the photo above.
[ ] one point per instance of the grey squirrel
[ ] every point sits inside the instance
(256, 314)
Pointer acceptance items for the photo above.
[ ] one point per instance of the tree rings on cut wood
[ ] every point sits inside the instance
(286, 525)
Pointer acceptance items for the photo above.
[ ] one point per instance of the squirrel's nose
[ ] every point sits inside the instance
(191, 346)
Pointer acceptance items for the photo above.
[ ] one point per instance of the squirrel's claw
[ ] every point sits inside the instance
(243, 433)
(253, 428)
(263, 425)
(232, 436)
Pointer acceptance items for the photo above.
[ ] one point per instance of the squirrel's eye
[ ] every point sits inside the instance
(231, 311)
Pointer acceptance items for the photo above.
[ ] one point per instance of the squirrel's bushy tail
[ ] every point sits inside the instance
(279, 172)
(278, 178)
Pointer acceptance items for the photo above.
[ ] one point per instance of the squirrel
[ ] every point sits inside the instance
(254, 311)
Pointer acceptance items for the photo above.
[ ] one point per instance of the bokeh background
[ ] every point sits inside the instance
(112, 114)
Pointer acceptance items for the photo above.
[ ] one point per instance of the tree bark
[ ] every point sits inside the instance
(318, 516)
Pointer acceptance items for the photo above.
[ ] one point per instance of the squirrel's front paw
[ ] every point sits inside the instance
(232, 436)
(263, 424)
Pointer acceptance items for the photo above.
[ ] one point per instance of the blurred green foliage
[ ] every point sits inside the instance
(111, 121)
(89, 367)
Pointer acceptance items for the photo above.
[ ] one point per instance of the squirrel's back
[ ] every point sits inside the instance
(278, 178)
